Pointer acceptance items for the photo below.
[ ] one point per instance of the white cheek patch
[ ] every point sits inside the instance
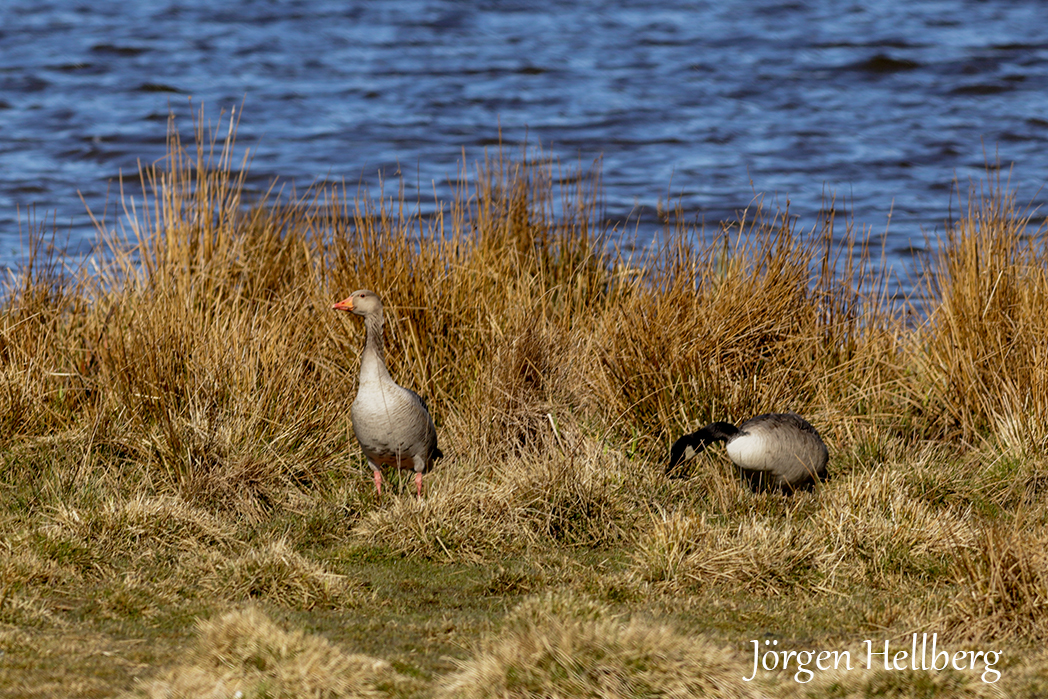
(750, 452)
(689, 452)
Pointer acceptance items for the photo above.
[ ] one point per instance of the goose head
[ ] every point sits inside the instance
(362, 302)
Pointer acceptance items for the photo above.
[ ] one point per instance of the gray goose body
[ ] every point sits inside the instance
(391, 423)
(777, 451)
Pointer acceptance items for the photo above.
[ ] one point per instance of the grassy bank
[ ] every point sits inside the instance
(184, 510)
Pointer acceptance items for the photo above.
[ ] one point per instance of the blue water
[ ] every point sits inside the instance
(881, 103)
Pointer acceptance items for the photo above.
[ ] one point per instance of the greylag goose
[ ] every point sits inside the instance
(779, 451)
(392, 423)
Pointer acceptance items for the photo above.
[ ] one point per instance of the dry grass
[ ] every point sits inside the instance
(560, 646)
(244, 654)
(873, 528)
(176, 437)
(1003, 580)
(577, 496)
(278, 574)
(901, 684)
(761, 554)
(981, 347)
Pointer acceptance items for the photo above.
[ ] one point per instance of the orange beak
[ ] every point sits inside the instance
(344, 305)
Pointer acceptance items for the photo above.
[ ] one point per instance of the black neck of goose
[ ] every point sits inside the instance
(698, 441)
(719, 431)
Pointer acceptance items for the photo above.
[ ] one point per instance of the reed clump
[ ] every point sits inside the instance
(762, 322)
(176, 436)
(980, 350)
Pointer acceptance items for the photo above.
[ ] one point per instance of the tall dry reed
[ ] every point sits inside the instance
(982, 350)
(204, 358)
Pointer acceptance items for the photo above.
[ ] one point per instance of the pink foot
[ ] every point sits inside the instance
(418, 484)
(378, 482)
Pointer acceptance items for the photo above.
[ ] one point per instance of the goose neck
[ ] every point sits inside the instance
(373, 361)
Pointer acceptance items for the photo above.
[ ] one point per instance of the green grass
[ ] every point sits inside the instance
(183, 508)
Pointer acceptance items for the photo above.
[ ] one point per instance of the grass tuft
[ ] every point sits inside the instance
(279, 575)
(243, 653)
(561, 646)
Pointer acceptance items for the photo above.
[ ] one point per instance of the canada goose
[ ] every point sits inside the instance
(392, 423)
(778, 451)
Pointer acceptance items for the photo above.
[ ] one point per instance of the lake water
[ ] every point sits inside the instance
(883, 104)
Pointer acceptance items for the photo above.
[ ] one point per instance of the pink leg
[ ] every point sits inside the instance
(418, 484)
(378, 482)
